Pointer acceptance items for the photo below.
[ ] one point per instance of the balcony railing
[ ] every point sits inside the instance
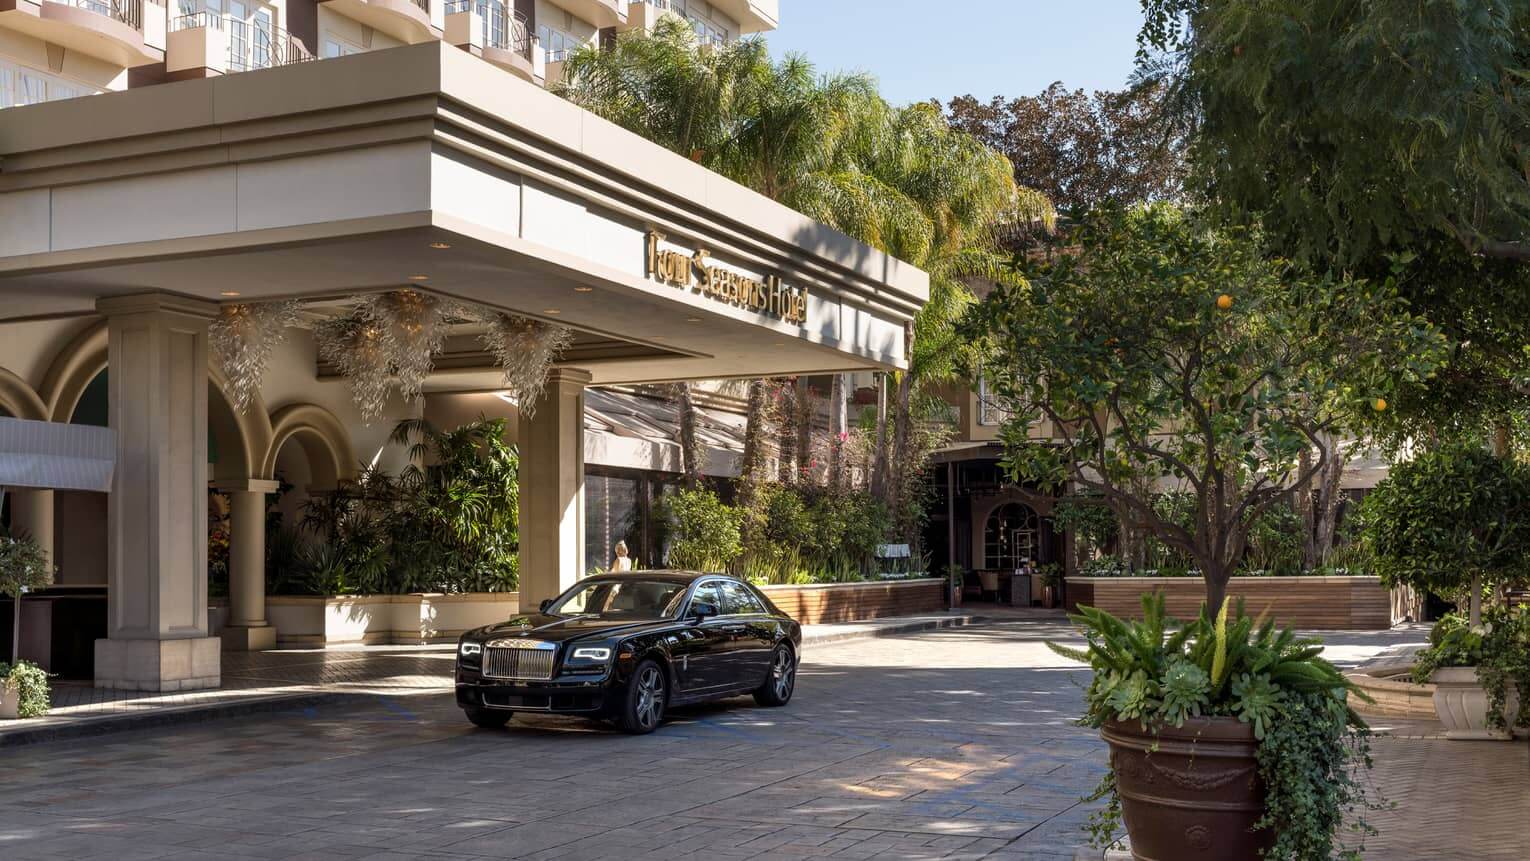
(423, 4)
(503, 27)
(129, 12)
(251, 44)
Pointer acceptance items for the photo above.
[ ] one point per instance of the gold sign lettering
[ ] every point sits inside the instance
(769, 296)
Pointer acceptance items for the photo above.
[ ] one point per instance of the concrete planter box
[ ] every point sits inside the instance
(855, 602)
(385, 619)
(1309, 603)
(1462, 705)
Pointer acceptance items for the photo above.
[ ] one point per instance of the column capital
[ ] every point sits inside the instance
(246, 485)
(148, 303)
(577, 376)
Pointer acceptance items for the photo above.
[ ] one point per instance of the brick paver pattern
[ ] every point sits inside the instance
(948, 744)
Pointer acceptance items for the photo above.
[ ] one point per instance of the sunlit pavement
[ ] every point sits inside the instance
(956, 743)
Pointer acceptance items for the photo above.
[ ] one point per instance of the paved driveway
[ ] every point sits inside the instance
(955, 744)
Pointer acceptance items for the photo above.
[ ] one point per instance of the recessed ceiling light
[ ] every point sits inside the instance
(229, 293)
(658, 338)
(583, 289)
(780, 344)
(551, 311)
(440, 246)
(693, 319)
(419, 277)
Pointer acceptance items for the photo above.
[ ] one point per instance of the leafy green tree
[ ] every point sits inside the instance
(1451, 520)
(1168, 355)
(1383, 139)
(23, 567)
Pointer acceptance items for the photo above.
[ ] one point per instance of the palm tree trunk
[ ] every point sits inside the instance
(805, 415)
(879, 456)
(839, 431)
(901, 478)
(752, 470)
(693, 453)
(786, 439)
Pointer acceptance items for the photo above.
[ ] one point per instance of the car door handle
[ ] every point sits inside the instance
(733, 629)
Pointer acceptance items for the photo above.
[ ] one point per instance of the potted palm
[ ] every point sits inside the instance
(955, 574)
(23, 686)
(1228, 738)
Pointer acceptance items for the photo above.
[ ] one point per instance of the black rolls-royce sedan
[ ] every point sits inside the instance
(628, 646)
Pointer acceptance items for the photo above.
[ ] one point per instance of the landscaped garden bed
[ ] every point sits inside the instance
(1306, 602)
(385, 619)
(816, 603)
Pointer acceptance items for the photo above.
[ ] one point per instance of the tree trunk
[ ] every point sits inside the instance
(1318, 502)
(751, 471)
(1216, 588)
(805, 413)
(693, 453)
(879, 456)
(786, 439)
(902, 465)
(839, 431)
(1474, 602)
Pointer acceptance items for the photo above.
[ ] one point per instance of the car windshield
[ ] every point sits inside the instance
(626, 599)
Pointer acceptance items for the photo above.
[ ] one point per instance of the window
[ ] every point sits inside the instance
(556, 43)
(708, 32)
(20, 85)
(990, 411)
(635, 599)
(739, 601)
(338, 48)
(1010, 537)
(707, 593)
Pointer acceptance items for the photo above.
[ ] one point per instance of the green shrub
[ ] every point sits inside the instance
(31, 683)
(1500, 650)
(705, 534)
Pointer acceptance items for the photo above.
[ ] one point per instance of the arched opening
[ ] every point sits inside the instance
(1011, 537)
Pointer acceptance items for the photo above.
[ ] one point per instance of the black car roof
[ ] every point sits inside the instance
(686, 577)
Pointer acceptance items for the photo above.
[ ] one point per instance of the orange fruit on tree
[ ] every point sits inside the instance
(1380, 404)
(1224, 301)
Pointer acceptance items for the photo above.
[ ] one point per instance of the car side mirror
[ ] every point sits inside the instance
(542, 607)
(701, 611)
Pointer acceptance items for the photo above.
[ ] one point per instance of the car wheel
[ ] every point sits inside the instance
(778, 687)
(647, 694)
(488, 719)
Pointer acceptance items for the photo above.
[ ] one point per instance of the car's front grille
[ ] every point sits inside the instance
(502, 663)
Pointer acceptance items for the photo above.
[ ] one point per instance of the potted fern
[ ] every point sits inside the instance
(1228, 738)
(23, 686)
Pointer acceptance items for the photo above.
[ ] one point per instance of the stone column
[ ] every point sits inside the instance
(157, 513)
(32, 515)
(552, 489)
(247, 629)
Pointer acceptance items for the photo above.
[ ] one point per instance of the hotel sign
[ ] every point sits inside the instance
(768, 296)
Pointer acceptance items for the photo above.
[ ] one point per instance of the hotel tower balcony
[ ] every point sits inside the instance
(409, 21)
(601, 13)
(126, 33)
(496, 33)
(208, 43)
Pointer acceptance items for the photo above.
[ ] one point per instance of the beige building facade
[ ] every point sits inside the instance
(130, 218)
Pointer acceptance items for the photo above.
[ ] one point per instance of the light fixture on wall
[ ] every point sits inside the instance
(584, 288)
(440, 246)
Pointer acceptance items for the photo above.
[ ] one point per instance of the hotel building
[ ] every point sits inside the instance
(157, 164)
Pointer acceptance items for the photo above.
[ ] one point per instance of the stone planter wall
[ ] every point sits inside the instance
(385, 619)
(854, 602)
(1310, 603)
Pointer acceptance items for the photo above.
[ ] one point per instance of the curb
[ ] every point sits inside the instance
(893, 630)
(179, 716)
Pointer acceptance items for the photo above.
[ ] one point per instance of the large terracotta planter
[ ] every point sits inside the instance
(1462, 705)
(1191, 792)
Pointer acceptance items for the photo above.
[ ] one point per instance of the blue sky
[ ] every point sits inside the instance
(982, 47)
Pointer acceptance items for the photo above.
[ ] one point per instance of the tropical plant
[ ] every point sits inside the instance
(31, 685)
(1164, 352)
(1452, 520)
(1499, 648)
(1159, 672)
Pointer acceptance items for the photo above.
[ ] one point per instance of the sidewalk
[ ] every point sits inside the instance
(257, 682)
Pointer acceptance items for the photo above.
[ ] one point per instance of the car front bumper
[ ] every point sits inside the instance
(564, 695)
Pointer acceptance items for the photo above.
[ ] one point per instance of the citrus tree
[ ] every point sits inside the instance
(1451, 520)
(1168, 356)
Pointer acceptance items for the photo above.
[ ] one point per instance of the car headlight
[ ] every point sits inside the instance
(470, 650)
(594, 654)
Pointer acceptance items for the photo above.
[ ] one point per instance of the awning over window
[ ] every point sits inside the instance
(55, 456)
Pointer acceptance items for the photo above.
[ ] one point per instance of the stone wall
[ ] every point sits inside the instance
(1312, 603)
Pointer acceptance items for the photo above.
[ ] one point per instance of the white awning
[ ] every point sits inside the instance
(56, 456)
